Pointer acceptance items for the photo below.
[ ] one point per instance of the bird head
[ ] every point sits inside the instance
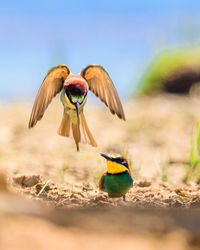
(116, 163)
(76, 89)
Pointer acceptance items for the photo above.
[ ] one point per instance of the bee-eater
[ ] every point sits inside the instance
(74, 89)
(118, 178)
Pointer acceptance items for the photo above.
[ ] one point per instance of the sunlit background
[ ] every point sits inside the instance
(122, 36)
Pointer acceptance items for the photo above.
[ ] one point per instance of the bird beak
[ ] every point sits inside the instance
(77, 108)
(106, 156)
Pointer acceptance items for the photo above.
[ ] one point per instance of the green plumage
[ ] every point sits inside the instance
(116, 185)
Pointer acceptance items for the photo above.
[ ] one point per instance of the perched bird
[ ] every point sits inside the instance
(118, 178)
(74, 89)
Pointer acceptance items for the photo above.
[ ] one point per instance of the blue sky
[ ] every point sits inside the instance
(122, 36)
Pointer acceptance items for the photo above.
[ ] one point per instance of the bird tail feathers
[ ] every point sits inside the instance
(65, 126)
(80, 130)
(85, 131)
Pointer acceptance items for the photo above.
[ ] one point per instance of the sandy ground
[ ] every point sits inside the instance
(50, 198)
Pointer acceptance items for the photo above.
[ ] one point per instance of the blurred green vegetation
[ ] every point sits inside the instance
(164, 65)
(63, 172)
(193, 168)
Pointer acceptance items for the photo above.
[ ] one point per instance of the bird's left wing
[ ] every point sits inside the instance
(101, 182)
(102, 86)
(51, 86)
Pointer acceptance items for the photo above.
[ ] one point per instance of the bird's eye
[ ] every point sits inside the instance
(120, 160)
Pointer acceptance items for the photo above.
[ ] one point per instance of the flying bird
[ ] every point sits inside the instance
(118, 178)
(74, 90)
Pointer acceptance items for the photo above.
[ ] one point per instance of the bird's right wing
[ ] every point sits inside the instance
(102, 86)
(51, 86)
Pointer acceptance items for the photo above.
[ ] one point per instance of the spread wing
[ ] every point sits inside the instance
(51, 86)
(102, 86)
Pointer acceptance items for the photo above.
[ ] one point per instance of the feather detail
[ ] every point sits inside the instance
(101, 182)
(101, 85)
(78, 127)
(86, 134)
(51, 86)
(65, 126)
(76, 133)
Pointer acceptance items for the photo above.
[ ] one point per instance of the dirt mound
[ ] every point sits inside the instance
(143, 194)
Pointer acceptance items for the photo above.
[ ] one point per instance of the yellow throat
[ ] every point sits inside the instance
(72, 106)
(115, 168)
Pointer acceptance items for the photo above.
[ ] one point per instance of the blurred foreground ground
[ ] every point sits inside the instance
(52, 200)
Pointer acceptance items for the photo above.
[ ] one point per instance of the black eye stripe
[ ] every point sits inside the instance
(121, 161)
